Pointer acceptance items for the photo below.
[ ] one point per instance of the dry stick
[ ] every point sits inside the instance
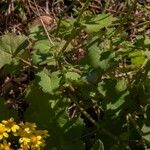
(124, 19)
(38, 13)
(28, 63)
(30, 6)
(47, 7)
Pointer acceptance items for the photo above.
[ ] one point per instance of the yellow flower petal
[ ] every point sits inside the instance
(5, 134)
(15, 128)
(1, 136)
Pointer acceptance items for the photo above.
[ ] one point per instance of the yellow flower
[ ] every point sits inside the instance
(24, 147)
(10, 125)
(30, 138)
(28, 126)
(5, 146)
(43, 133)
(24, 140)
(3, 131)
(37, 142)
(24, 133)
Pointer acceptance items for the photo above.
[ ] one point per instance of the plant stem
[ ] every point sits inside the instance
(123, 20)
(73, 32)
(83, 111)
(142, 73)
(45, 29)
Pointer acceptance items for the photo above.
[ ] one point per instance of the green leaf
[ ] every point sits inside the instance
(146, 54)
(11, 43)
(48, 82)
(98, 145)
(100, 59)
(95, 23)
(147, 115)
(65, 28)
(42, 45)
(50, 113)
(117, 104)
(42, 51)
(5, 112)
(147, 41)
(77, 145)
(5, 58)
(10, 46)
(72, 76)
(146, 132)
(94, 56)
(121, 86)
(137, 57)
(36, 32)
(114, 93)
(38, 57)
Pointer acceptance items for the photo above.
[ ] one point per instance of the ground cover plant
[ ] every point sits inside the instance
(75, 75)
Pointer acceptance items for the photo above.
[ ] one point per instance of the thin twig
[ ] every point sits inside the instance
(28, 63)
(45, 29)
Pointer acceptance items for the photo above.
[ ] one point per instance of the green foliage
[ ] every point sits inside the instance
(49, 82)
(98, 145)
(137, 58)
(84, 91)
(65, 133)
(94, 24)
(5, 112)
(11, 45)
